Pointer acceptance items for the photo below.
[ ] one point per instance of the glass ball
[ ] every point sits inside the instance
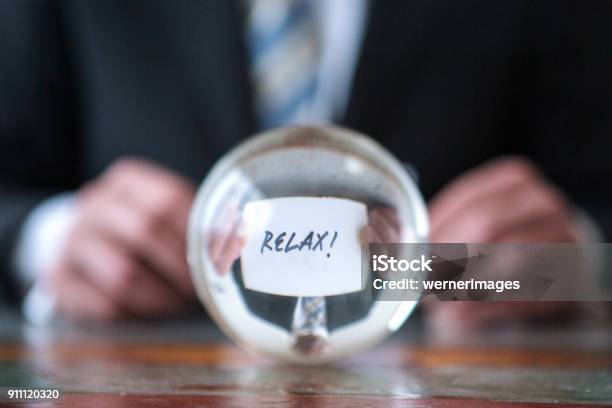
(278, 242)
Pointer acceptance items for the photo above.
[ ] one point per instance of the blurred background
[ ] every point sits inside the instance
(111, 113)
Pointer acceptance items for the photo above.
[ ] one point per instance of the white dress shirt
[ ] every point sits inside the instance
(342, 26)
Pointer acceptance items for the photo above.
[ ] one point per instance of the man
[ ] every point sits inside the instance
(445, 85)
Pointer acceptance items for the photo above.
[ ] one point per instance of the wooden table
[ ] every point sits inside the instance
(190, 363)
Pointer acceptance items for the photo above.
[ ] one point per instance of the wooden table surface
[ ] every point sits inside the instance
(189, 363)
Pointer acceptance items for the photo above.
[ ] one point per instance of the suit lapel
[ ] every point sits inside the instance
(210, 50)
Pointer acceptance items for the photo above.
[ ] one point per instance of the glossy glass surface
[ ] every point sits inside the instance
(298, 162)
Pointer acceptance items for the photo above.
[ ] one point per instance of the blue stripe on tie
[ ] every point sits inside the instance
(262, 43)
(288, 110)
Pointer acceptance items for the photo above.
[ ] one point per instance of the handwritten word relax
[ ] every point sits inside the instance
(287, 242)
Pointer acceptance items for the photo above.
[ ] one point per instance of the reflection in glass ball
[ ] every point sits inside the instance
(284, 307)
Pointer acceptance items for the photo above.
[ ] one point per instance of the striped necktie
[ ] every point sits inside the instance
(309, 327)
(284, 56)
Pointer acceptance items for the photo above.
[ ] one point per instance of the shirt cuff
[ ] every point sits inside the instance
(38, 247)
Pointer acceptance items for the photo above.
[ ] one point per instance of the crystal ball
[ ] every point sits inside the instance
(278, 242)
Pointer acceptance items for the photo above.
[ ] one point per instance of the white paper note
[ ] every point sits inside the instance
(303, 246)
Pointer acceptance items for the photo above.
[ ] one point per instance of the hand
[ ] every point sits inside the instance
(125, 254)
(226, 240)
(506, 200)
(384, 227)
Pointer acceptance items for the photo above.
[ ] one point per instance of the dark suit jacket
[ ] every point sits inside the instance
(444, 84)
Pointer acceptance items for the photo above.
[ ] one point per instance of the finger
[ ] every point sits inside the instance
(546, 229)
(232, 224)
(383, 227)
(392, 217)
(366, 235)
(230, 253)
(127, 282)
(226, 243)
(143, 236)
(220, 249)
(369, 235)
(160, 196)
(78, 299)
(155, 189)
(215, 245)
(491, 216)
(493, 177)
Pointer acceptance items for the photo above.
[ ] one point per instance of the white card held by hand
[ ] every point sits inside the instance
(303, 246)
